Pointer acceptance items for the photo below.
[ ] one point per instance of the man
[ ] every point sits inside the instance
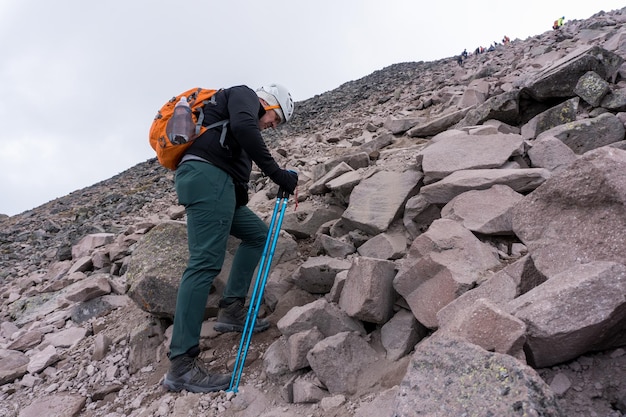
(211, 182)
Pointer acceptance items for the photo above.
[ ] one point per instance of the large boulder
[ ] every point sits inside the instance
(374, 204)
(520, 180)
(450, 377)
(442, 264)
(587, 134)
(579, 310)
(560, 79)
(156, 266)
(455, 153)
(573, 218)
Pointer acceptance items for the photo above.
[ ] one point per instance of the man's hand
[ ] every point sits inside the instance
(286, 179)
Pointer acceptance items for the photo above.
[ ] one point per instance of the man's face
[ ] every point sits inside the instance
(269, 119)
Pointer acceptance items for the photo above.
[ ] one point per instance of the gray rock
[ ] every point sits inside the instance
(400, 334)
(503, 107)
(505, 285)
(564, 320)
(551, 153)
(90, 242)
(320, 314)
(373, 205)
(592, 88)
(55, 405)
(334, 247)
(615, 101)
(489, 326)
(442, 264)
(319, 186)
(484, 211)
(400, 125)
(298, 346)
(439, 124)
(561, 78)
(376, 143)
(154, 279)
(13, 364)
(144, 339)
(317, 274)
(573, 217)
(456, 153)
(89, 288)
(520, 180)
(368, 293)
(275, 359)
(306, 221)
(419, 213)
(584, 135)
(305, 391)
(66, 338)
(487, 383)
(552, 117)
(384, 246)
(346, 350)
(40, 360)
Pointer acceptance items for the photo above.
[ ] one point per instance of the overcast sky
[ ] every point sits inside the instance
(81, 80)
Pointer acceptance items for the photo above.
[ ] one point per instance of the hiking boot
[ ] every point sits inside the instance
(232, 318)
(187, 372)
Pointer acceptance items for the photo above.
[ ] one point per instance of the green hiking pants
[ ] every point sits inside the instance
(208, 194)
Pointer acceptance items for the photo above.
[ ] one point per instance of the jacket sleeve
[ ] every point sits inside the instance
(244, 109)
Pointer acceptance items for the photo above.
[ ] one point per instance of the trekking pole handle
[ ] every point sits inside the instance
(282, 193)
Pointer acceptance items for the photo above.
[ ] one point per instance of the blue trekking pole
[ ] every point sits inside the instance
(259, 287)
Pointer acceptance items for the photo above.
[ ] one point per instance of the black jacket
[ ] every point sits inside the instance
(244, 143)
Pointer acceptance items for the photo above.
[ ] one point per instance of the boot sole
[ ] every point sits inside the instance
(178, 387)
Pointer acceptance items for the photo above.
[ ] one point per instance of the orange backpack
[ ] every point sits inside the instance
(170, 153)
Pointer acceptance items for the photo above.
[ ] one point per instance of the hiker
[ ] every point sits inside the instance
(558, 23)
(211, 182)
(462, 57)
(506, 40)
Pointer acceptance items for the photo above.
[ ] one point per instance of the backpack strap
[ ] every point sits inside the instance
(223, 124)
(201, 114)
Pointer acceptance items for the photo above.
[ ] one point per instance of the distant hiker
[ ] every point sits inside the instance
(506, 40)
(558, 23)
(211, 182)
(462, 57)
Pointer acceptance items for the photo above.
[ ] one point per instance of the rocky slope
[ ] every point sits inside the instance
(456, 249)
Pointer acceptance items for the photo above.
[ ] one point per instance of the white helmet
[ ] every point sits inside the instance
(277, 94)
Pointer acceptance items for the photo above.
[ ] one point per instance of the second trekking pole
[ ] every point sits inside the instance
(259, 287)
